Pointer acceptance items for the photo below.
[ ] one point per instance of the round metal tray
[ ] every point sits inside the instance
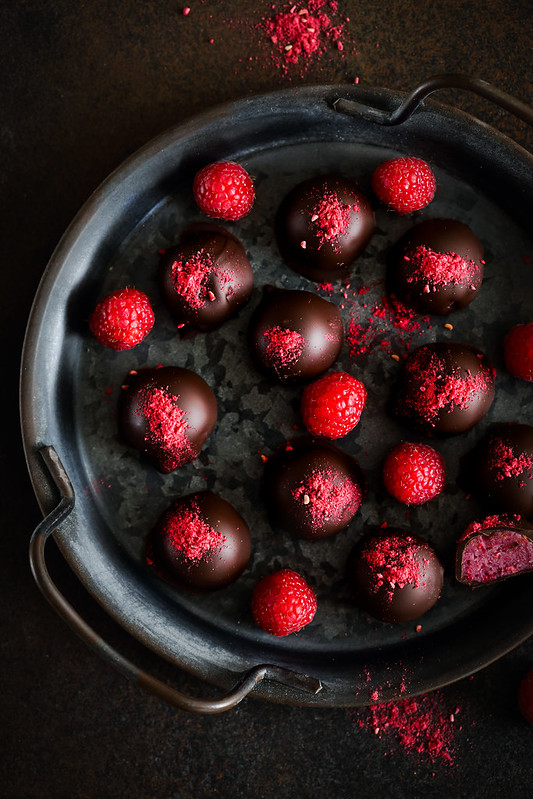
(100, 499)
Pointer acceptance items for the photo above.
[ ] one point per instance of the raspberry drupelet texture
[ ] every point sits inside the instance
(332, 405)
(404, 184)
(518, 351)
(121, 320)
(414, 473)
(283, 603)
(224, 190)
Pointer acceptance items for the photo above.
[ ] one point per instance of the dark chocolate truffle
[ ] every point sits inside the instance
(437, 266)
(167, 414)
(206, 278)
(322, 226)
(312, 491)
(395, 576)
(444, 389)
(200, 542)
(494, 549)
(499, 470)
(295, 334)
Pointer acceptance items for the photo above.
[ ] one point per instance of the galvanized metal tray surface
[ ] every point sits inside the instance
(70, 385)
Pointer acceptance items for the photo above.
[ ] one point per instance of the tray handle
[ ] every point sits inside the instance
(64, 609)
(449, 80)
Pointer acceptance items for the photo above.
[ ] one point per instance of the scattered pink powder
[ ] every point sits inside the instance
(420, 725)
(394, 561)
(189, 533)
(167, 426)
(439, 269)
(391, 324)
(439, 389)
(190, 279)
(284, 346)
(506, 463)
(331, 218)
(326, 497)
(300, 33)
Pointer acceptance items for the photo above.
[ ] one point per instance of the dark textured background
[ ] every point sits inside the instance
(83, 85)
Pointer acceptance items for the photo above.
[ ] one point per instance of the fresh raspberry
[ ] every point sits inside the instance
(414, 473)
(224, 190)
(332, 405)
(525, 696)
(518, 351)
(283, 603)
(404, 184)
(122, 319)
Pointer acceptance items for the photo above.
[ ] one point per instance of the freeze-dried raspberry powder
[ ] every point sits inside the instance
(167, 426)
(190, 534)
(394, 561)
(190, 279)
(439, 390)
(439, 268)
(300, 33)
(328, 498)
(420, 725)
(391, 324)
(284, 346)
(505, 463)
(331, 218)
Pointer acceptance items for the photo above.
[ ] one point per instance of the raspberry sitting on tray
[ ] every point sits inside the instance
(414, 473)
(518, 351)
(121, 320)
(224, 190)
(283, 603)
(332, 405)
(404, 184)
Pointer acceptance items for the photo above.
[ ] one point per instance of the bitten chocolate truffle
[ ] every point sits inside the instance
(437, 266)
(206, 278)
(167, 414)
(499, 470)
(311, 490)
(494, 549)
(200, 542)
(395, 576)
(322, 226)
(294, 335)
(444, 389)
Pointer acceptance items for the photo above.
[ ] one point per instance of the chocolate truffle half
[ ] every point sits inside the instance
(200, 542)
(166, 413)
(499, 470)
(294, 334)
(494, 549)
(322, 226)
(444, 389)
(206, 278)
(312, 490)
(395, 576)
(437, 266)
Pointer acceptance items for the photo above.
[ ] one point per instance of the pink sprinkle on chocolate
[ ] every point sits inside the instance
(190, 534)
(167, 425)
(326, 497)
(284, 346)
(394, 562)
(190, 279)
(331, 218)
(504, 461)
(440, 269)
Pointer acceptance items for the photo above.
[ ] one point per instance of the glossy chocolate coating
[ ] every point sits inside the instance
(312, 490)
(495, 549)
(186, 404)
(206, 278)
(174, 552)
(395, 576)
(322, 226)
(425, 272)
(499, 470)
(314, 322)
(444, 389)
